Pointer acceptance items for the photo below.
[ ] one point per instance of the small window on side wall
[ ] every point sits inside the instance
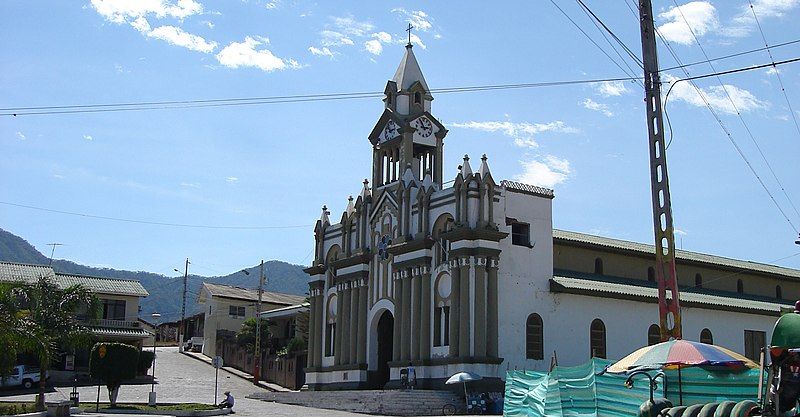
(706, 337)
(534, 337)
(651, 274)
(778, 292)
(597, 339)
(653, 335)
(598, 266)
(739, 286)
(521, 234)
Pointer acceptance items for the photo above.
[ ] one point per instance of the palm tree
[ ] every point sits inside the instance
(10, 330)
(50, 320)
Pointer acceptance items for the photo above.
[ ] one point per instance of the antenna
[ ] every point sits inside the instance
(52, 252)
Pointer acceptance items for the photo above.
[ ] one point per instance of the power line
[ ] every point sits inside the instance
(118, 219)
(736, 109)
(157, 105)
(734, 55)
(619, 41)
(777, 73)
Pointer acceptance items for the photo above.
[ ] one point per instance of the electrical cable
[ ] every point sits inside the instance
(736, 109)
(118, 219)
(625, 47)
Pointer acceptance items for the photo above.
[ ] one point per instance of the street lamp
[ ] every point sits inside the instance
(152, 398)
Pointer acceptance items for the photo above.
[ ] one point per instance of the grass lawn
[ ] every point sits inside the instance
(11, 408)
(164, 407)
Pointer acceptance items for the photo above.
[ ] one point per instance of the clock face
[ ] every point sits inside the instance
(390, 131)
(424, 126)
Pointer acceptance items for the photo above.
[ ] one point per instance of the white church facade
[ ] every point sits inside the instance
(473, 277)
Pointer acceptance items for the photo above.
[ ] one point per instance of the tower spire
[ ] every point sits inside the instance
(409, 45)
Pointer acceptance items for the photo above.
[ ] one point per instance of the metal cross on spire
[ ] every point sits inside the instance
(409, 33)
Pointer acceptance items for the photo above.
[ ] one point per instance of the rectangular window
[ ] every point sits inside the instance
(237, 312)
(330, 339)
(754, 341)
(114, 309)
(521, 234)
(446, 325)
(437, 326)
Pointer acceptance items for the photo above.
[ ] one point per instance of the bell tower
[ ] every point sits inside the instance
(407, 135)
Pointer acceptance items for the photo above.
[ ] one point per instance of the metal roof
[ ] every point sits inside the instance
(120, 333)
(631, 289)
(527, 188)
(680, 255)
(26, 273)
(239, 293)
(285, 311)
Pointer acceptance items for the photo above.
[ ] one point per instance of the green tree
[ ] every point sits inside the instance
(50, 319)
(246, 337)
(113, 363)
(11, 330)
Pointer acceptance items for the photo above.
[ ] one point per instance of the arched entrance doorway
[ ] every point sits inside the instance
(385, 345)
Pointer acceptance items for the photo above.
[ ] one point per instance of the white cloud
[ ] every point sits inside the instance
(522, 133)
(272, 5)
(208, 24)
(611, 88)
(774, 70)
(21, 136)
(593, 105)
(231, 179)
(546, 171)
(121, 11)
(350, 26)
(743, 100)
(190, 185)
(245, 54)
(324, 51)
(701, 17)
(178, 37)
(58, 176)
(373, 46)
(88, 137)
(744, 23)
(419, 19)
(415, 40)
(383, 37)
(141, 24)
(332, 38)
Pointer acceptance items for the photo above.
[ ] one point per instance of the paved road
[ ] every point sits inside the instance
(184, 379)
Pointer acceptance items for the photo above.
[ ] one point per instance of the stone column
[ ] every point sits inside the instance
(319, 328)
(425, 315)
(361, 351)
(464, 308)
(405, 335)
(491, 309)
(398, 316)
(345, 332)
(479, 326)
(416, 309)
(337, 341)
(312, 335)
(455, 293)
(353, 336)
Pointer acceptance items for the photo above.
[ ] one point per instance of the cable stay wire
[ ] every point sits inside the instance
(777, 73)
(738, 113)
(717, 117)
(596, 19)
(574, 23)
(154, 223)
(611, 44)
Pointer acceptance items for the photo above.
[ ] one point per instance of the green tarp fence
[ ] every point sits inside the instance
(578, 392)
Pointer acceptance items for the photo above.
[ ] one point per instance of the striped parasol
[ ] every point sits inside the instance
(680, 354)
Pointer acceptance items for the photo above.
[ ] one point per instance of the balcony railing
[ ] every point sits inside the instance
(117, 324)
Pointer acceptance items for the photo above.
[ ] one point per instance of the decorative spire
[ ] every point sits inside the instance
(484, 169)
(324, 217)
(408, 176)
(365, 192)
(466, 170)
(350, 207)
(409, 45)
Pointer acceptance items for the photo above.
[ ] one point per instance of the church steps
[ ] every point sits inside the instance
(388, 402)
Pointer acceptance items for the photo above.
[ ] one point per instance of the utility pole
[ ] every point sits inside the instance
(53, 252)
(183, 307)
(257, 359)
(669, 308)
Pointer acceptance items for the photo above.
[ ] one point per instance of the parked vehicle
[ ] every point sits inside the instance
(22, 375)
(194, 344)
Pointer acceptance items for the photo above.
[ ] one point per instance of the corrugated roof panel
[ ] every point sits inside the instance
(240, 293)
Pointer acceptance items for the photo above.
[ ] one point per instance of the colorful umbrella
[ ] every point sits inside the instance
(680, 354)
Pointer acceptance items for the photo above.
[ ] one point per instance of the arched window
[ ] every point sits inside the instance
(417, 98)
(651, 274)
(698, 280)
(706, 337)
(597, 339)
(653, 335)
(534, 337)
(442, 247)
(778, 292)
(598, 266)
(333, 254)
(739, 286)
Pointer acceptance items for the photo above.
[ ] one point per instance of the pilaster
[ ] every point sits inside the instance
(492, 308)
(464, 312)
(337, 336)
(425, 314)
(416, 311)
(344, 333)
(352, 340)
(405, 302)
(455, 310)
(361, 351)
(479, 325)
(398, 313)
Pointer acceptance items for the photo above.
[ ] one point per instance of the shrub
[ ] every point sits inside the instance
(146, 358)
(113, 363)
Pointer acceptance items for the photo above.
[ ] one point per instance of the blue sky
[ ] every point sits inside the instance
(276, 165)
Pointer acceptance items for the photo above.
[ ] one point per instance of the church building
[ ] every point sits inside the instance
(472, 276)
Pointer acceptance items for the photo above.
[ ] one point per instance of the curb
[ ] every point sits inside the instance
(177, 413)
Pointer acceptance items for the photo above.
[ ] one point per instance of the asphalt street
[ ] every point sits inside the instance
(180, 378)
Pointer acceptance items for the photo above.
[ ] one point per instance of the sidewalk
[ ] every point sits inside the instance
(241, 374)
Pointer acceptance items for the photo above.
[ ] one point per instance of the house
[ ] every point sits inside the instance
(119, 300)
(226, 307)
(280, 365)
(467, 274)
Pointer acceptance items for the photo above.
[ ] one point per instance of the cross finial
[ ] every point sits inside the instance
(409, 33)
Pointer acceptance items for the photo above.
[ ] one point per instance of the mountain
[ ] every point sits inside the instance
(165, 292)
